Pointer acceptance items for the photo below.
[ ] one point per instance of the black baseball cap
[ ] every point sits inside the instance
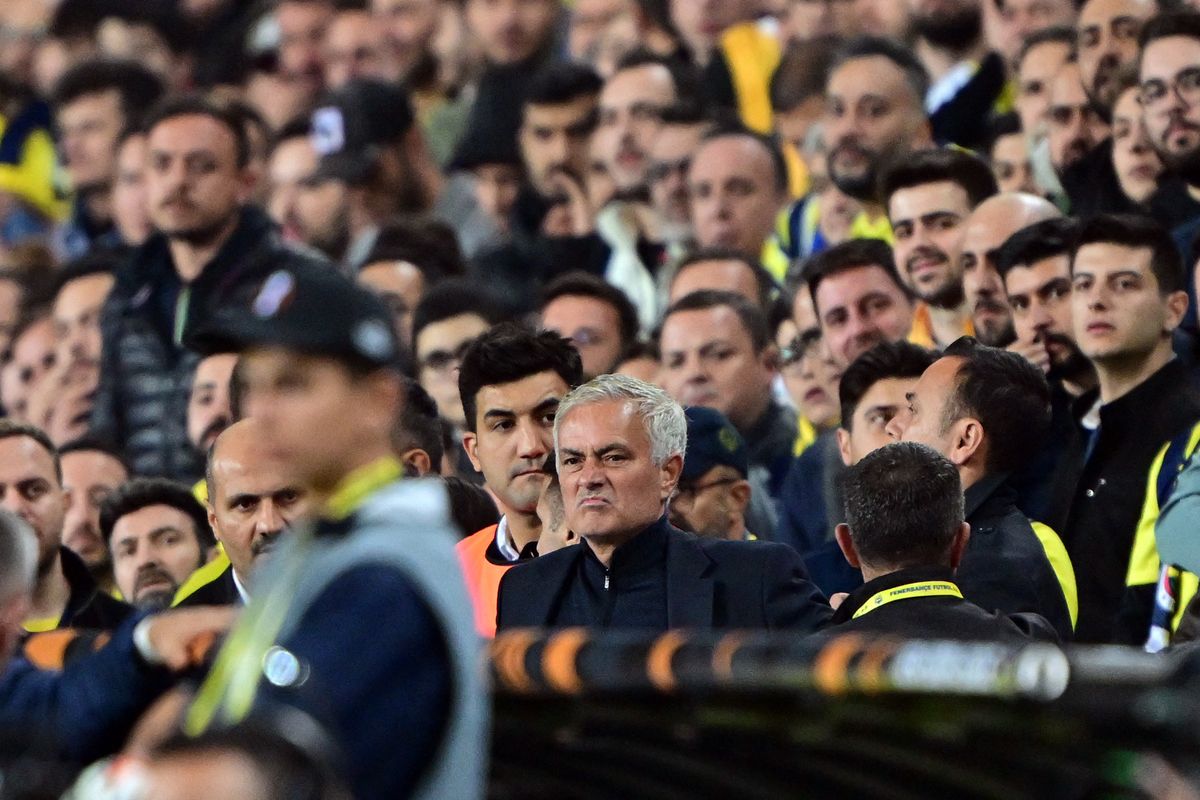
(310, 310)
(712, 441)
(352, 123)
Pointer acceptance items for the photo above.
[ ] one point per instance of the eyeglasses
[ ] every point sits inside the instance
(661, 170)
(690, 493)
(1186, 84)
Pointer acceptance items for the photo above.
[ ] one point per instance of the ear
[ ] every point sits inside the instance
(770, 358)
(966, 442)
(418, 459)
(843, 440)
(1176, 305)
(470, 441)
(958, 547)
(739, 493)
(670, 476)
(212, 521)
(846, 544)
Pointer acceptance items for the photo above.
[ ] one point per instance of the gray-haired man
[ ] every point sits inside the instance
(619, 444)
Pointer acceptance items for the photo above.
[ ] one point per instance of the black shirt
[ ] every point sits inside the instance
(1101, 485)
(928, 615)
(630, 593)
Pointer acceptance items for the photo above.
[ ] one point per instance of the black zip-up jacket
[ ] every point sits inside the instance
(1098, 497)
(146, 373)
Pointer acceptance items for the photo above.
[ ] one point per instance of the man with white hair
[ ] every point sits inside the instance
(619, 444)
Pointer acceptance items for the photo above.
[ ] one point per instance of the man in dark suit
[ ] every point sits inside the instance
(620, 444)
(904, 529)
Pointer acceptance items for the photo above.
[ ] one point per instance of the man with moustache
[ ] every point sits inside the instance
(210, 245)
(874, 112)
(252, 500)
(208, 411)
(630, 117)
(1075, 125)
(988, 227)
(1035, 266)
(929, 195)
(91, 472)
(157, 534)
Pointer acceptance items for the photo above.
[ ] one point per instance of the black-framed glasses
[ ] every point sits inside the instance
(1186, 84)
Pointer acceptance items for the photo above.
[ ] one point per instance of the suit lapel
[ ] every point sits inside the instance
(689, 589)
(545, 600)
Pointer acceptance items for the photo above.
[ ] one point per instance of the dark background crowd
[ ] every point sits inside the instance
(630, 268)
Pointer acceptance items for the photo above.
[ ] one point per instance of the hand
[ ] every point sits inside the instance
(836, 599)
(1034, 352)
(182, 637)
(572, 216)
(71, 414)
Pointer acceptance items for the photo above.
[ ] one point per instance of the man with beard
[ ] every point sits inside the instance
(253, 498)
(158, 535)
(929, 195)
(989, 225)
(65, 596)
(670, 156)
(1169, 77)
(208, 404)
(874, 112)
(209, 247)
(1074, 123)
(631, 106)
(1035, 266)
(91, 472)
(967, 77)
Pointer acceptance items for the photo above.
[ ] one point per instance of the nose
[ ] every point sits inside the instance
(268, 518)
(1039, 317)
(897, 424)
(532, 442)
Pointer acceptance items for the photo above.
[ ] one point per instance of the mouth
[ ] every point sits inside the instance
(592, 502)
(815, 395)
(1145, 172)
(1099, 328)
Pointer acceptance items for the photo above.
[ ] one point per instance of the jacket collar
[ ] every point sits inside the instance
(83, 585)
(981, 491)
(863, 593)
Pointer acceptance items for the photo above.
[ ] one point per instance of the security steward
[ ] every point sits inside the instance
(359, 620)
(905, 530)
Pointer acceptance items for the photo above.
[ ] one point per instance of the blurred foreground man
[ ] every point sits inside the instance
(311, 637)
(904, 529)
(620, 444)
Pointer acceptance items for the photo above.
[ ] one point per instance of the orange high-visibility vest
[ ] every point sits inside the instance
(482, 576)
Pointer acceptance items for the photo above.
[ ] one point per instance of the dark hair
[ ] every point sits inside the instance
(885, 360)
(193, 105)
(471, 507)
(93, 444)
(584, 284)
(1138, 232)
(10, 428)
(1174, 23)
(802, 73)
(779, 167)
(94, 262)
(1061, 34)
(451, 298)
(141, 493)
(684, 112)
(249, 118)
(510, 352)
(137, 87)
(752, 317)
(1008, 124)
(561, 82)
(904, 506)
(848, 255)
(1033, 243)
(298, 128)
(424, 242)
(237, 390)
(915, 74)
(685, 79)
(1007, 394)
(417, 426)
(970, 173)
(767, 287)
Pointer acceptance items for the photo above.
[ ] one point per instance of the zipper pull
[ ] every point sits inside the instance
(606, 579)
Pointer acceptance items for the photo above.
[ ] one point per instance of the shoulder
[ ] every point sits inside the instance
(477, 543)
(726, 553)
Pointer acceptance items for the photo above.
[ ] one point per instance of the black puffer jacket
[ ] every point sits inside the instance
(146, 374)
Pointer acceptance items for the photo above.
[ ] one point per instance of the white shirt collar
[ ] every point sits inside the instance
(240, 588)
(503, 543)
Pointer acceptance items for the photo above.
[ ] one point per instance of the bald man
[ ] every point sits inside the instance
(252, 499)
(988, 227)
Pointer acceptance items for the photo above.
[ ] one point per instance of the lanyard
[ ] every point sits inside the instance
(907, 591)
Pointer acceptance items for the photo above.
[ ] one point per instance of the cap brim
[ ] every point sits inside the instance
(347, 167)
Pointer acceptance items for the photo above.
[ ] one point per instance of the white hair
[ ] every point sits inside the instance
(18, 556)
(666, 426)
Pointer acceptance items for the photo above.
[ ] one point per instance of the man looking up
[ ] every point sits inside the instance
(986, 410)
(511, 381)
(95, 101)
(989, 225)
(619, 445)
(1128, 296)
(905, 530)
(929, 196)
(380, 550)
(253, 499)
(210, 246)
(66, 595)
(158, 535)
